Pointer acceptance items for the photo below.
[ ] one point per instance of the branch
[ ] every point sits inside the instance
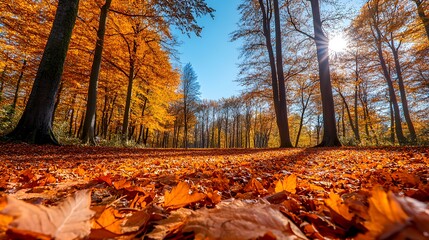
(294, 24)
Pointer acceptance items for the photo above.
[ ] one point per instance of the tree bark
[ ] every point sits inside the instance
(330, 135)
(18, 84)
(88, 130)
(35, 125)
(277, 75)
(395, 51)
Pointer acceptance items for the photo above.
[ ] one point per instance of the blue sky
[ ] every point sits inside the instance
(213, 56)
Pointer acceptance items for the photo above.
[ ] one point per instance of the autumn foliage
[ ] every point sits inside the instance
(79, 192)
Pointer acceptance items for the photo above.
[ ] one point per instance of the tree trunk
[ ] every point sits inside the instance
(392, 95)
(18, 83)
(330, 135)
(413, 136)
(35, 125)
(128, 104)
(88, 133)
(277, 75)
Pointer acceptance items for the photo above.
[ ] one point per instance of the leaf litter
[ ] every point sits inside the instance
(73, 192)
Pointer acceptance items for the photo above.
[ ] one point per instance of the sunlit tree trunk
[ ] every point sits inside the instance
(330, 135)
(88, 131)
(35, 125)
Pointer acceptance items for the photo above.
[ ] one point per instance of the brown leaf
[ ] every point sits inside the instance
(288, 184)
(254, 186)
(180, 197)
(240, 220)
(68, 220)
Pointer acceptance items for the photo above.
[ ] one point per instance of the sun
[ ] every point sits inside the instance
(338, 43)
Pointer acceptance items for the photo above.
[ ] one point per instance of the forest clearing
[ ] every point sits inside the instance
(168, 193)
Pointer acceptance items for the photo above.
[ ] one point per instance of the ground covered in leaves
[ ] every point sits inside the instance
(125, 193)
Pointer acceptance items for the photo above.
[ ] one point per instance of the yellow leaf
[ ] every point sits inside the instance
(385, 213)
(336, 203)
(287, 184)
(108, 221)
(180, 197)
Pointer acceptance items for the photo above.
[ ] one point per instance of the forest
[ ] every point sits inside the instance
(104, 133)
(121, 84)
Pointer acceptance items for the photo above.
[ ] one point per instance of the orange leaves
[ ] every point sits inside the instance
(385, 213)
(288, 184)
(180, 196)
(68, 220)
(335, 203)
(323, 193)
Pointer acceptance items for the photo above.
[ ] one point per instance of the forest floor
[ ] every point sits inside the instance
(217, 193)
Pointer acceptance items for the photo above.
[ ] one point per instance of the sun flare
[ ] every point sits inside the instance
(338, 43)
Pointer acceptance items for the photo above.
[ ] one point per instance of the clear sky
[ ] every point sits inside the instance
(213, 56)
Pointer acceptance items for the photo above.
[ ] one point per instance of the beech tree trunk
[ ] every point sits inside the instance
(88, 130)
(404, 101)
(330, 135)
(277, 75)
(35, 125)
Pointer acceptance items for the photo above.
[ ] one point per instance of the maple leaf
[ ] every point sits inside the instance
(180, 197)
(288, 184)
(68, 220)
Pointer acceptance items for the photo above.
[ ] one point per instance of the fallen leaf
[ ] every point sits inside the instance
(336, 203)
(173, 224)
(288, 184)
(180, 197)
(386, 216)
(68, 220)
(254, 186)
(241, 220)
(108, 221)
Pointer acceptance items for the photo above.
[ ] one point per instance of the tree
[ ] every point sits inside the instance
(35, 125)
(330, 135)
(190, 89)
(181, 14)
(88, 133)
(276, 63)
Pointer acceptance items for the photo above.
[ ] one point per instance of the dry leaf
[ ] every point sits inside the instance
(254, 186)
(336, 203)
(288, 184)
(386, 216)
(171, 225)
(69, 220)
(108, 221)
(180, 197)
(240, 220)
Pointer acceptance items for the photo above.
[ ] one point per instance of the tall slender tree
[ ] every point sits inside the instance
(88, 131)
(330, 135)
(35, 125)
(268, 9)
(190, 88)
